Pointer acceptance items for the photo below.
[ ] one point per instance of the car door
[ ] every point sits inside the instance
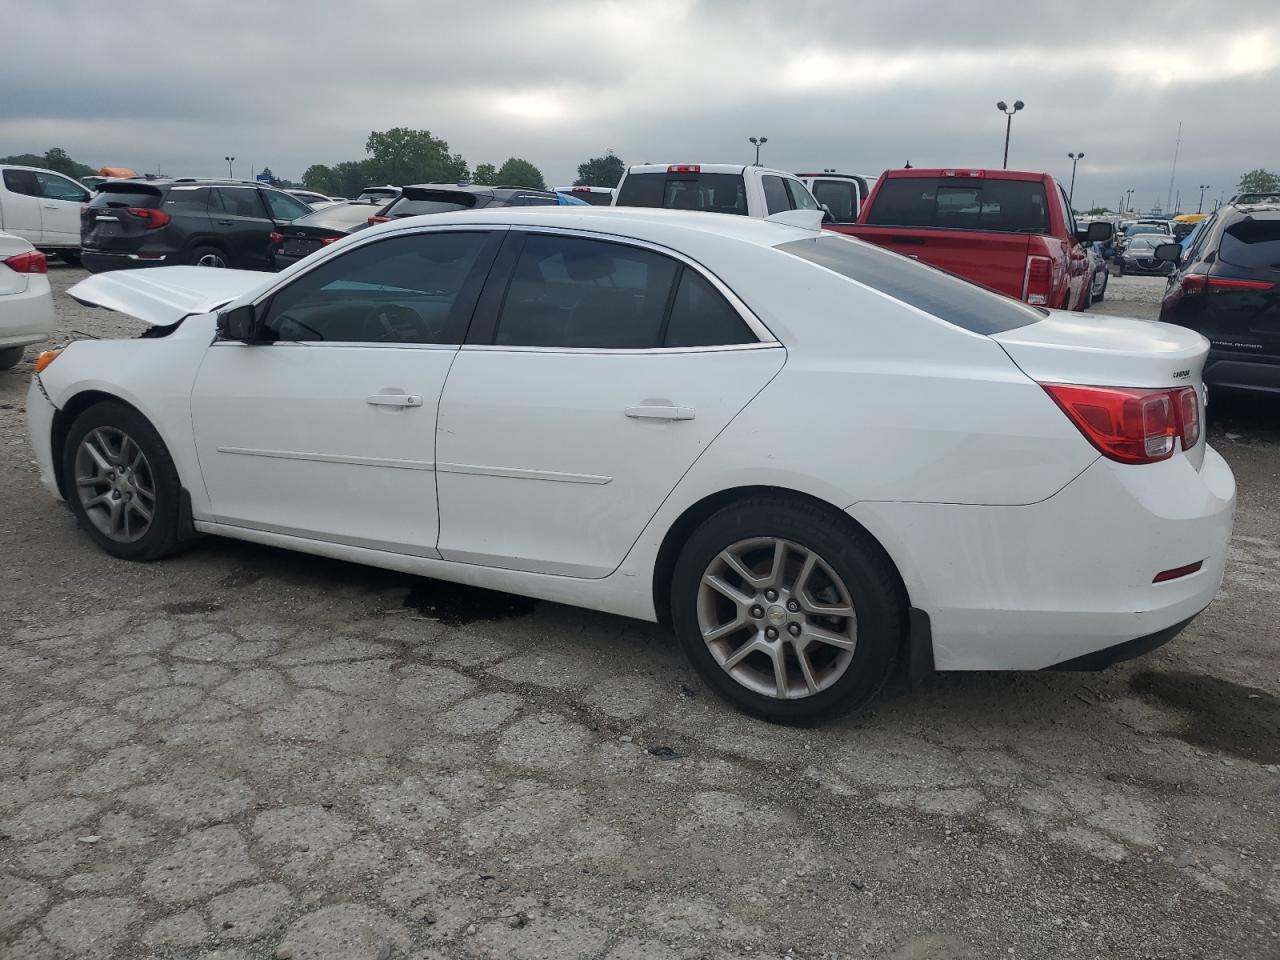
(324, 427)
(840, 196)
(1077, 256)
(284, 208)
(595, 374)
(240, 218)
(60, 201)
(22, 205)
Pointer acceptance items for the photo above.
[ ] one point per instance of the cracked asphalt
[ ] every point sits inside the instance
(245, 753)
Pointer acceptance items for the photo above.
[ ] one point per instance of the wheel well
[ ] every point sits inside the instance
(64, 418)
(694, 515)
(212, 240)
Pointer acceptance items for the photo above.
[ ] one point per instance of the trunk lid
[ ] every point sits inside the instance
(165, 295)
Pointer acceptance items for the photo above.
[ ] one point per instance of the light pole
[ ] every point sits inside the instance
(1074, 158)
(759, 142)
(230, 161)
(1200, 205)
(1128, 199)
(1008, 126)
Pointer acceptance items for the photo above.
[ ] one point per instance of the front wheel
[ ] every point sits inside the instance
(122, 484)
(788, 610)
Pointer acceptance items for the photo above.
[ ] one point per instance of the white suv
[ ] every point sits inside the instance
(42, 207)
(720, 188)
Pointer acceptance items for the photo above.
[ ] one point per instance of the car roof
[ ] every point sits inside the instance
(185, 181)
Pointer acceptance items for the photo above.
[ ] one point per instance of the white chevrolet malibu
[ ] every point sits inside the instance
(814, 457)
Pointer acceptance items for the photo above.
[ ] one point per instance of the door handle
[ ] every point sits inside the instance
(394, 400)
(227, 223)
(51, 206)
(659, 411)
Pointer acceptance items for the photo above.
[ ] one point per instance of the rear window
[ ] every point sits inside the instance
(417, 202)
(926, 288)
(961, 203)
(712, 192)
(341, 216)
(1252, 243)
(126, 195)
(591, 197)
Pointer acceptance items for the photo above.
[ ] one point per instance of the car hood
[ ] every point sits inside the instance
(165, 295)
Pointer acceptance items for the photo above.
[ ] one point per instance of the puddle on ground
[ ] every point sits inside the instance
(1223, 716)
(191, 606)
(456, 604)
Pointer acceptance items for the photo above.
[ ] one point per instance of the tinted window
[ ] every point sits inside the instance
(593, 198)
(801, 198)
(701, 317)
(285, 207)
(715, 192)
(186, 200)
(961, 203)
(400, 290)
(776, 199)
(840, 196)
(934, 291)
(21, 181)
(125, 195)
(534, 200)
(53, 187)
(415, 203)
(240, 201)
(1252, 242)
(568, 292)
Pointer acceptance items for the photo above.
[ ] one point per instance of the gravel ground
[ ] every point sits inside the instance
(245, 753)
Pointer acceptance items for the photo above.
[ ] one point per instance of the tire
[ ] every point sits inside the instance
(208, 256)
(1120, 270)
(11, 356)
(70, 257)
(1102, 294)
(846, 558)
(105, 423)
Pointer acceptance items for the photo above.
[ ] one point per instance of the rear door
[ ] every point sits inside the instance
(842, 198)
(595, 375)
(21, 205)
(60, 201)
(241, 220)
(1075, 255)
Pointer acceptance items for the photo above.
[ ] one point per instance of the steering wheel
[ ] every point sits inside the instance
(396, 323)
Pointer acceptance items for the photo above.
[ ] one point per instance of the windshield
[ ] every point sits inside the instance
(1134, 229)
(961, 203)
(926, 288)
(1146, 243)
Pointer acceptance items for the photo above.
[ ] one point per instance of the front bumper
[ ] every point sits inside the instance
(1029, 587)
(40, 414)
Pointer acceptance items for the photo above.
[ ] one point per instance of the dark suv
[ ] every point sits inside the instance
(208, 223)
(444, 197)
(1227, 287)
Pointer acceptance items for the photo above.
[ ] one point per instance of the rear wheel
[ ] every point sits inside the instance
(121, 483)
(1102, 294)
(10, 356)
(71, 257)
(787, 610)
(207, 256)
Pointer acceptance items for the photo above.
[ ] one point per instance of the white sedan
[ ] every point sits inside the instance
(26, 303)
(814, 457)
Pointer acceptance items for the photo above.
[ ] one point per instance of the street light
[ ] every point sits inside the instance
(1008, 126)
(1200, 205)
(230, 161)
(1074, 158)
(1128, 199)
(759, 142)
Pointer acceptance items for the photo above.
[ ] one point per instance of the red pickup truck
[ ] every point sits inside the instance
(1005, 229)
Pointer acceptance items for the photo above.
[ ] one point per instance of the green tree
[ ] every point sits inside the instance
(55, 158)
(486, 175)
(350, 177)
(400, 155)
(1259, 181)
(603, 171)
(321, 179)
(520, 173)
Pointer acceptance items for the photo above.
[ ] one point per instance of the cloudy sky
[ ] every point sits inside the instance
(855, 85)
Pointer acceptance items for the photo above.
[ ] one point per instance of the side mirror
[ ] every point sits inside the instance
(1169, 252)
(238, 324)
(827, 215)
(1099, 231)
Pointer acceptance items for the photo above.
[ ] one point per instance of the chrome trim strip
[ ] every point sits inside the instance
(662, 351)
(516, 473)
(331, 458)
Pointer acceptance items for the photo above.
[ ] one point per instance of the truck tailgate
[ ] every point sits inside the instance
(995, 260)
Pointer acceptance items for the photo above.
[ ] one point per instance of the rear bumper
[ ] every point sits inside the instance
(98, 261)
(27, 317)
(1236, 374)
(1029, 587)
(40, 414)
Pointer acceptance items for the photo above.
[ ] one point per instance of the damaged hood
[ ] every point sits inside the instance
(165, 295)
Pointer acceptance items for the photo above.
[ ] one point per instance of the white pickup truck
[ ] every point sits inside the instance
(43, 208)
(747, 191)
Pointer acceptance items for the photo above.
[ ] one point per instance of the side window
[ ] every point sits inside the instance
(53, 187)
(21, 181)
(186, 200)
(241, 202)
(701, 317)
(1198, 248)
(775, 195)
(401, 290)
(839, 196)
(577, 293)
(285, 207)
(801, 198)
(1066, 211)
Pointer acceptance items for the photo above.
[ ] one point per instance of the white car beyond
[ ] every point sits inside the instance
(814, 457)
(26, 303)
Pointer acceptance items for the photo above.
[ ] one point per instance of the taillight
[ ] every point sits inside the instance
(325, 241)
(1197, 283)
(1037, 281)
(155, 219)
(685, 168)
(1131, 424)
(32, 262)
(277, 239)
(84, 210)
(373, 220)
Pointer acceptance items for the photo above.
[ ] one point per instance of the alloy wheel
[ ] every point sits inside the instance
(777, 618)
(211, 260)
(115, 484)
